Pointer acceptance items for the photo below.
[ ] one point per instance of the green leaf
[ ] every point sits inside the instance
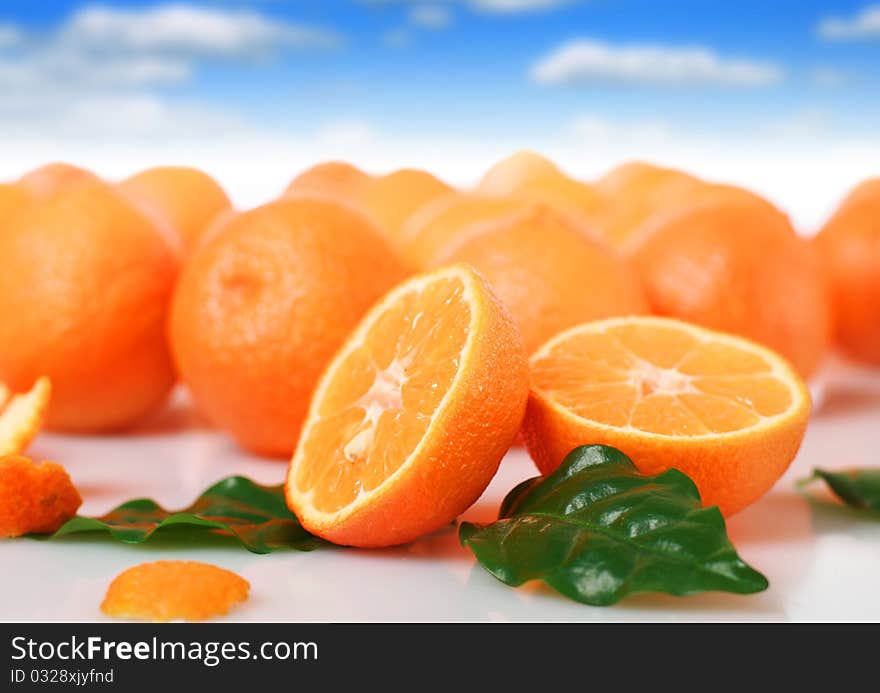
(859, 488)
(596, 530)
(256, 515)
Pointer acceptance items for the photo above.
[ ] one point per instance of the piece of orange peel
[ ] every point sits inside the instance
(21, 416)
(174, 591)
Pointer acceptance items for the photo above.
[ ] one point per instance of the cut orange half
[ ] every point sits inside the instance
(727, 412)
(21, 416)
(412, 417)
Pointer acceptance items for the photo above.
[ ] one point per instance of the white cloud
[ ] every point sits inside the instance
(512, 6)
(98, 71)
(588, 60)
(432, 17)
(596, 129)
(61, 73)
(339, 137)
(828, 77)
(488, 6)
(191, 31)
(397, 38)
(865, 24)
(10, 36)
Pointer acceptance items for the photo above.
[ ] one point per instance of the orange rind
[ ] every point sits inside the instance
(174, 590)
(35, 498)
(412, 417)
(729, 413)
(21, 416)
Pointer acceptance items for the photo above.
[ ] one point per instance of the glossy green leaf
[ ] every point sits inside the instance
(859, 488)
(256, 515)
(596, 530)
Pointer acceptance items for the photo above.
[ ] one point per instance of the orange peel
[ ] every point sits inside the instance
(174, 590)
(21, 416)
(34, 497)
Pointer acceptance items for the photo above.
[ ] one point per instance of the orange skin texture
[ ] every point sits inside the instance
(84, 301)
(849, 245)
(262, 307)
(517, 172)
(634, 192)
(529, 176)
(462, 449)
(684, 197)
(174, 590)
(13, 199)
(389, 200)
(437, 225)
(731, 474)
(34, 498)
(46, 181)
(550, 272)
(188, 199)
(731, 470)
(332, 178)
(739, 267)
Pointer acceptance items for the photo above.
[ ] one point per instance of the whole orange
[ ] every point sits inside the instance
(681, 197)
(46, 181)
(83, 300)
(739, 267)
(849, 245)
(187, 198)
(634, 192)
(517, 172)
(550, 271)
(530, 176)
(389, 200)
(437, 225)
(332, 178)
(262, 306)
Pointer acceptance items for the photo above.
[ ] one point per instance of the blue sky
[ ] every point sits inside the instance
(445, 84)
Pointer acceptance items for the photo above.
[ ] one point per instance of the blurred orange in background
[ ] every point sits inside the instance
(637, 192)
(186, 198)
(83, 300)
(549, 270)
(389, 200)
(529, 176)
(45, 181)
(739, 267)
(849, 245)
(436, 225)
(333, 178)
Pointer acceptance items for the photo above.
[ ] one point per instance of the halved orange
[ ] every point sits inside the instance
(727, 412)
(411, 419)
(22, 415)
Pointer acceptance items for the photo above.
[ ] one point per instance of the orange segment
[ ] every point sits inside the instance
(728, 412)
(22, 418)
(411, 419)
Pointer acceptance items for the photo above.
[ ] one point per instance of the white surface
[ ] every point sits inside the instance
(822, 560)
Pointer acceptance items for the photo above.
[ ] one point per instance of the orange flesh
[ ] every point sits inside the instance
(660, 380)
(379, 403)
